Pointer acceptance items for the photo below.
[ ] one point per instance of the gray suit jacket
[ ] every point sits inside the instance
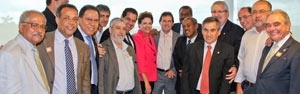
(46, 50)
(18, 70)
(174, 40)
(109, 70)
(282, 73)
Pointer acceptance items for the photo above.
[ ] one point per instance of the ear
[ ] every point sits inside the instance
(57, 20)
(109, 29)
(20, 27)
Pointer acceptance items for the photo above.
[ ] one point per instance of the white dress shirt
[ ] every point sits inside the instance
(250, 51)
(60, 80)
(126, 68)
(204, 54)
(164, 52)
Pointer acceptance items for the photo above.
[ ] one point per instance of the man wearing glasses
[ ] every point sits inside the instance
(230, 33)
(252, 45)
(21, 70)
(245, 18)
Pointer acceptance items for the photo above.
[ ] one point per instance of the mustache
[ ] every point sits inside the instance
(38, 34)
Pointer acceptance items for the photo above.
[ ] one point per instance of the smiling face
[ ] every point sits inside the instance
(89, 22)
(33, 28)
(146, 25)
(245, 19)
(166, 23)
(183, 13)
(260, 12)
(210, 32)
(104, 17)
(218, 11)
(130, 20)
(190, 28)
(67, 22)
(277, 27)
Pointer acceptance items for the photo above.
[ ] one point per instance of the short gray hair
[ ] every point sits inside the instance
(27, 13)
(220, 3)
(114, 20)
(283, 14)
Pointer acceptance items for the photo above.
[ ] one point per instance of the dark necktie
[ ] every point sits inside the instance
(71, 84)
(189, 42)
(128, 39)
(93, 62)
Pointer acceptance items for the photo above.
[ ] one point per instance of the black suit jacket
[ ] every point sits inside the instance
(232, 34)
(176, 27)
(222, 60)
(106, 35)
(51, 23)
(78, 35)
(282, 73)
(179, 50)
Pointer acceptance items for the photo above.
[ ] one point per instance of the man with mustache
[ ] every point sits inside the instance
(66, 59)
(117, 70)
(21, 70)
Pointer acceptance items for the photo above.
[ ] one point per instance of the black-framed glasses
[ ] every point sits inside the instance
(36, 25)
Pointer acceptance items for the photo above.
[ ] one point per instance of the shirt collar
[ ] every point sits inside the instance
(60, 38)
(281, 42)
(124, 45)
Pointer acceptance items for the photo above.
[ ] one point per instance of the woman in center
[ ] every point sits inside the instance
(146, 52)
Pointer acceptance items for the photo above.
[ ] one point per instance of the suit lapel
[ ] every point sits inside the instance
(225, 30)
(281, 52)
(80, 55)
(113, 55)
(215, 54)
(30, 62)
(200, 55)
(49, 44)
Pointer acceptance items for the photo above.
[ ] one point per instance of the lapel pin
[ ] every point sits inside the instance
(48, 49)
(218, 52)
(278, 54)
(284, 50)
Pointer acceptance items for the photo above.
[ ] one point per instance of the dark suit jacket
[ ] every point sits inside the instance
(180, 49)
(109, 70)
(222, 60)
(232, 34)
(106, 35)
(174, 39)
(78, 35)
(176, 27)
(51, 23)
(282, 74)
(46, 51)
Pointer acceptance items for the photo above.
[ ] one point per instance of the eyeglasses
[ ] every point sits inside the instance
(218, 11)
(259, 11)
(243, 17)
(36, 25)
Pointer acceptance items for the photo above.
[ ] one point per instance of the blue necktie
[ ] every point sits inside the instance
(71, 84)
(94, 79)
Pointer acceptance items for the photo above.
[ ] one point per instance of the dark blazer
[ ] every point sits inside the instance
(46, 51)
(176, 27)
(222, 60)
(174, 39)
(78, 35)
(282, 74)
(109, 70)
(51, 23)
(106, 35)
(180, 49)
(232, 34)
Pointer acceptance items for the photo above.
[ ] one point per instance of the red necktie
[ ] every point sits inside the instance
(204, 88)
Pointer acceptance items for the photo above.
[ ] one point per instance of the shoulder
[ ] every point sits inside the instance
(80, 43)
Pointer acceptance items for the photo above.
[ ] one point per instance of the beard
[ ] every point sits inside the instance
(118, 40)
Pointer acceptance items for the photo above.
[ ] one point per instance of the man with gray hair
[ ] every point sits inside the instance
(21, 70)
(117, 70)
(279, 66)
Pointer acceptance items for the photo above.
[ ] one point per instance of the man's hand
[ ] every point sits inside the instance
(239, 89)
(232, 74)
(154, 32)
(101, 50)
(170, 74)
(1, 46)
